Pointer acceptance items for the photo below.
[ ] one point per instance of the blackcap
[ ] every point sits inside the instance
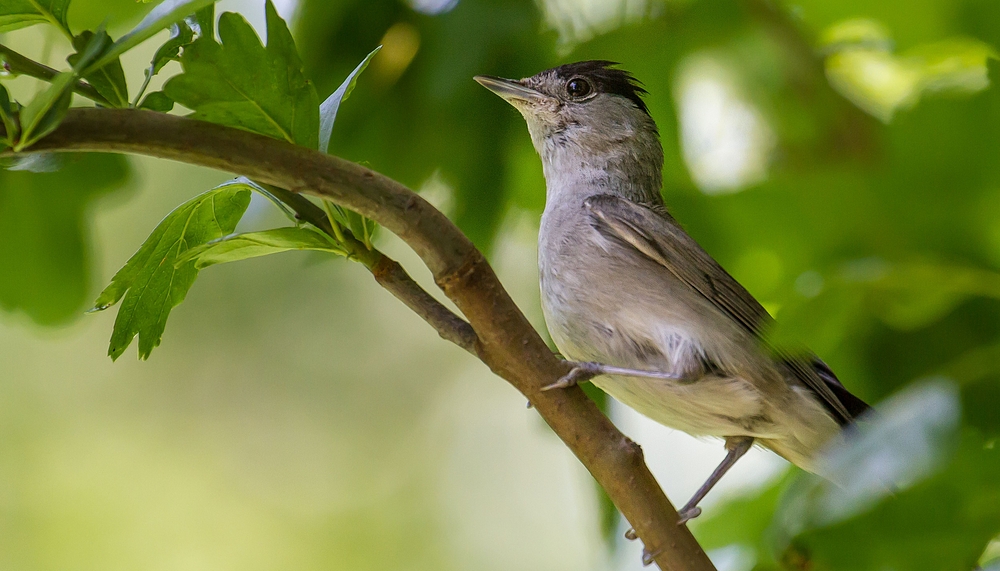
(636, 304)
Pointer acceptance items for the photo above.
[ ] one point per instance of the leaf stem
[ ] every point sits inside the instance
(17, 63)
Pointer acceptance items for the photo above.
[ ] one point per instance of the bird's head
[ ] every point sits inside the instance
(589, 104)
(589, 114)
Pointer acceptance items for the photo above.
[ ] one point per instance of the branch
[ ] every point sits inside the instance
(17, 63)
(507, 342)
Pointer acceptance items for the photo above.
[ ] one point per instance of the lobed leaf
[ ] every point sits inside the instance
(243, 84)
(15, 14)
(151, 282)
(255, 244)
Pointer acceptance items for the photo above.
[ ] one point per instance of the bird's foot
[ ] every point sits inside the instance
(631, 535)
(583, 371)
(580, 373)
(687, 514)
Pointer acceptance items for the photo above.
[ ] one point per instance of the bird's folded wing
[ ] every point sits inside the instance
(657, 236)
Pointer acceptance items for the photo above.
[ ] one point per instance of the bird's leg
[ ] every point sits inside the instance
(583, 371)
(737, 446)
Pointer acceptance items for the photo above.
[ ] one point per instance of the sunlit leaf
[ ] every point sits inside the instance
(241, 83)
(151, 281)
(256, 244)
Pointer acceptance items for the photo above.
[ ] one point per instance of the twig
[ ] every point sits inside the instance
(19, 64)
(389, 274)
(507, 342)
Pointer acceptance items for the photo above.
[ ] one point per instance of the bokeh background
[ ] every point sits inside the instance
(839, 157)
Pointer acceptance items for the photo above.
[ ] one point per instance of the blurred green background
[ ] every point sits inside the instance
(839, 157)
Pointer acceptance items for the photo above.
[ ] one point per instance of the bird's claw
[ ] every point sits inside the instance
(580, 373)
(688, 514)
(631, 535)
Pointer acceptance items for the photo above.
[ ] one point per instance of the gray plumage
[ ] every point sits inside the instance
(622, 283)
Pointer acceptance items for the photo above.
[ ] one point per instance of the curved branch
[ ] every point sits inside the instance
(506, 341)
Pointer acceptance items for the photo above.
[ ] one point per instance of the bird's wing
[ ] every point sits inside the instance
(658, 236)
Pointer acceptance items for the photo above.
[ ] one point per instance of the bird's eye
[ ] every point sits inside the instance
(578, 87)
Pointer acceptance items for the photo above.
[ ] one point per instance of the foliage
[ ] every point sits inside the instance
(241, 83)
(873, 237)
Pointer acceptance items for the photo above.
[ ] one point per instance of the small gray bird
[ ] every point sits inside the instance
(636, 303)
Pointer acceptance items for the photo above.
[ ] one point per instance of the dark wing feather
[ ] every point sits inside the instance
(658, 236)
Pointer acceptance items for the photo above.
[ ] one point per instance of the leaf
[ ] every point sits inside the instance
(157, 101)
(242, 84)
(916, 491)
(159, 18)
(8, 117)
(151, 282)
(108, 80)
(16, 14)
(47, 109)
(202, 22)
(45, 234)
(180, 36)
(362, 228)
(328, 109)
(256, 244)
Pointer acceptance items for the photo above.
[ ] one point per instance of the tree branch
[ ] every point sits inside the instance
(507, 342)
(17, 63)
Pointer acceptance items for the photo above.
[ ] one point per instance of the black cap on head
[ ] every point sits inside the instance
(606, 79)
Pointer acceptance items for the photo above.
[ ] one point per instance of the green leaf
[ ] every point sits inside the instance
(46, 237)
(151, 282)
(157, 101)
(180, 36)
(241, 83)
(8, 117)
(256, 244)
(16, 14)
(108, 80)
(328, 110)
(159, 18)
(47, 109)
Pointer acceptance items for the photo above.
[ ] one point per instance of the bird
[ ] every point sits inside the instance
(635, 304)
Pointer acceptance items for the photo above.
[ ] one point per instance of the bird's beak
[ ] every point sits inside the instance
(510, 90)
